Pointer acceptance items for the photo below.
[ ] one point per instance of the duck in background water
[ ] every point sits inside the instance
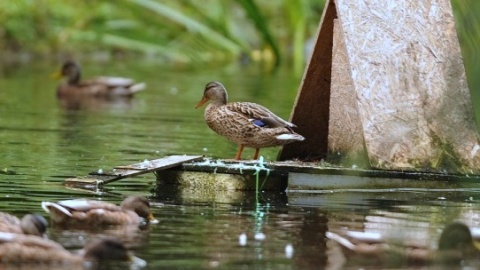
(101, 87)
(26, 250)
(32, 224)
(134, 210)
(245, 123)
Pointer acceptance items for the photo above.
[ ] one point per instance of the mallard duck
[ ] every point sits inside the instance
(90, 213)
(95, 87)
(21, 249)
(245, 123)
(455, 244)
(33, 224)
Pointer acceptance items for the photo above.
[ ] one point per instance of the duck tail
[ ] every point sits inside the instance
(54, 207)
(341, 240)
(137, 87)
(290, 137)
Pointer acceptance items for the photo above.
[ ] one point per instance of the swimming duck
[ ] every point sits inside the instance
(245, 123)
(33, 224)
(455, 244)
(96, 87)
(21, 249)
(133, 210)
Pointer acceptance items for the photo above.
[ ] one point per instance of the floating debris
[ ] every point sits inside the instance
(260, 236)
(145, 164)
(242, 239)
(174, 91)
(205, 162)
(218, 162)
(289, 251)
(7, 171)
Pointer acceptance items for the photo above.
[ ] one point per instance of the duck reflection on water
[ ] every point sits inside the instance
(455, 244)
(18, 251)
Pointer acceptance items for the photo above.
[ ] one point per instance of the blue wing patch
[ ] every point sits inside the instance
(258, 123)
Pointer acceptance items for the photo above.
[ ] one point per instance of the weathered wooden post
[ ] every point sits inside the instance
(386, 80)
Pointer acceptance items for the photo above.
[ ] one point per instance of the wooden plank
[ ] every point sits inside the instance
(302, 176)
(215, 175)
(83, 182)
(305, 177)
(311, 108)
(208, 181)
(232, 167)
(120, 172)
(413, 104)
(345, 131)
(354, 200)
(318, 183)
(412, 93)
(319, 170)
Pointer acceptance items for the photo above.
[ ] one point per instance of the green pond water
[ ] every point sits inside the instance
(44, 141)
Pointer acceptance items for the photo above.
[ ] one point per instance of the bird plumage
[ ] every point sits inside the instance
(101, 87)
(245, 123)
(91, 213)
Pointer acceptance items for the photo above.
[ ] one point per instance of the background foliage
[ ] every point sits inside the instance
(468, 27)
(183, 31)
(187, 31)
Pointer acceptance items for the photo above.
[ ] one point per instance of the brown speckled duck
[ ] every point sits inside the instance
(134, 210)
(33, 224)
(245, 123)
(22, 250)
(106, 87)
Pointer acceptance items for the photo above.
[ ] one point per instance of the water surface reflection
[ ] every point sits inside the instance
(44, 140)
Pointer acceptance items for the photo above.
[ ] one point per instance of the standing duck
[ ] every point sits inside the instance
(106, 87)
(134, 210)
(245, 123)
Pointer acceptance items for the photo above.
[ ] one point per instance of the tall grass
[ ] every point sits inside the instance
(176, 31)
(468, 28)
(261, 24)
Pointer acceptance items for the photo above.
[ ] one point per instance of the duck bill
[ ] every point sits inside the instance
(201, 102)
(476, 244)
(56, 75)
(152, 219)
